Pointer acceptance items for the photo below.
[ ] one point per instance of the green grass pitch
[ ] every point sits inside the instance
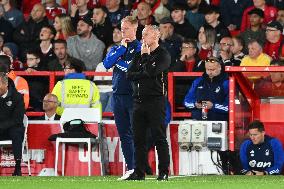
(110, 182)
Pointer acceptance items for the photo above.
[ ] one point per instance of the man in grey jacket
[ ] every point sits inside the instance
(85, 45)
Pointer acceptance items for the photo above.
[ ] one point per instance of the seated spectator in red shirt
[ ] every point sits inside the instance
(273, 39)
(272, 85)
(11, 49)
(189, 54)
(53, 9)
(63, 26)
(212, 15)
(270, 13)
(206, 41)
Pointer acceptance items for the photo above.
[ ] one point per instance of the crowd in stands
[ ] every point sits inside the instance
(49, 36)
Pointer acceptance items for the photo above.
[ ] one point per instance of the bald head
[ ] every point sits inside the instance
(38, 12)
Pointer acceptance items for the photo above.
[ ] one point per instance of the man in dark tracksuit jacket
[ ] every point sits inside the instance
(12, 111)
(122, 100)
(149, 74)
(213, 88)
(261, 154)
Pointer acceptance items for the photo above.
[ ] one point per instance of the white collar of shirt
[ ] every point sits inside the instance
(5, 95)
(236, 1)
(49, 118)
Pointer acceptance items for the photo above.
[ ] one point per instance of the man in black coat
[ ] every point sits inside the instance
(148, 72)
(12, 111)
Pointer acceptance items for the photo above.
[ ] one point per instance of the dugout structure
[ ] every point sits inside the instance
(255, 94)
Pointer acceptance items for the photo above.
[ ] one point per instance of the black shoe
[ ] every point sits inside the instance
(135, 176)
(163, 177)
(17, 172)
(148, 170)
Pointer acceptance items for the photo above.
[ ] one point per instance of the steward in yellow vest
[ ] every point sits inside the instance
(75, 91)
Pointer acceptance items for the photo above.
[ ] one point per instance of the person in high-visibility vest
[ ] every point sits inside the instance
(20, 83)
(75, 91)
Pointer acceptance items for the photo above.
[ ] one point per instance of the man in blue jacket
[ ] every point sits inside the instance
(120, 57)
(210, 90)
(261, 154)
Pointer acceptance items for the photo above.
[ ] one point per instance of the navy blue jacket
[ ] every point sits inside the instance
(216, 91)
(267, 156)
(120, 57)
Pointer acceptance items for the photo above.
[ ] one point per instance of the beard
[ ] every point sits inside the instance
(192, 7)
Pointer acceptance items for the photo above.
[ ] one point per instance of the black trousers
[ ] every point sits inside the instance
(149, 113)
(16, 134)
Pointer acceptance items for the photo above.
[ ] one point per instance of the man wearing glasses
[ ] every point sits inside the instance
(273, 39)
(209, 93)
(50, 104)
(75, 91)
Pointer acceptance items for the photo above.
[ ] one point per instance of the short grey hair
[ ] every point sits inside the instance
(155, 28)
(4, 78)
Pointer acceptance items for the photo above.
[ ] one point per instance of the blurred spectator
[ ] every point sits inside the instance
(38, 85)
(280, 16)
(159, 11)
(12, 14)
(117, 35)
(195, 14)
(75, 90)
(270, 13)
(79, 9)
(170, 40)
(255, 30)
(232, 12)
(206, 42)
(49, 106)
(116, 12)
(276, 3)
(144, 17)
(102, 26)
(63, 26)
(85, 45)
(273, 85)
(27, 34)
(46, 36)
(62, 58)
(6, 28)
(11, 49)
(181, 25)
(189, 55)
(255, 56)
(104, 84)
(225, 53)
(1, 43)
(237, 48)
(212, 15)
(19, 82)
(53, 9)
(273, 39)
